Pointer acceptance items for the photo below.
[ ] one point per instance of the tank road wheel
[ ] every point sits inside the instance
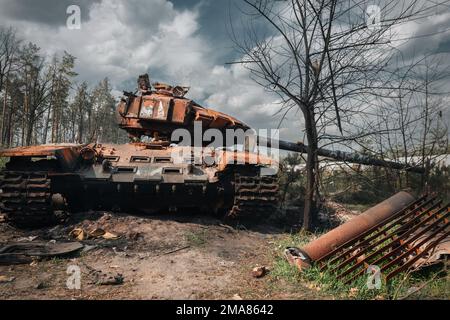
(255, 197)
(26, 199)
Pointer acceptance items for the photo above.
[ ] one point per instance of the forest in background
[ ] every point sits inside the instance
(41, 102)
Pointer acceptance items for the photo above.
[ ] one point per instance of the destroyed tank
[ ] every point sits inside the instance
(39, 183)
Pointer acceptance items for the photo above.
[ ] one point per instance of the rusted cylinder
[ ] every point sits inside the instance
(340, 235)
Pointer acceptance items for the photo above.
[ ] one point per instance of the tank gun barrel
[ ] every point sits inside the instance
(158, 113)
(350, 157)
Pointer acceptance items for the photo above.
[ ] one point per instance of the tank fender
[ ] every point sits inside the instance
(226, 159)
(67, 154)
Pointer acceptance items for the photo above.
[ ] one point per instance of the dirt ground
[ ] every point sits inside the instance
(159, 257)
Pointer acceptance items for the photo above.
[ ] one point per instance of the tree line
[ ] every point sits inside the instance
(41, 101)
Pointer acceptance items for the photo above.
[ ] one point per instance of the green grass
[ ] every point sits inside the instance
(357, 207)
(281, 268)
(433, 285)
(282, 272)
(197, 238)
(57, 260)
(3, 162)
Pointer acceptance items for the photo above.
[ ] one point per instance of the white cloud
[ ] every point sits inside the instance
(122, 39)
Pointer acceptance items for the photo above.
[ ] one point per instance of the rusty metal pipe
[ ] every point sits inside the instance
(317, 249)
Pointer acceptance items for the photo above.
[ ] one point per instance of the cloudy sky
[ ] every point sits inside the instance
(179, 41)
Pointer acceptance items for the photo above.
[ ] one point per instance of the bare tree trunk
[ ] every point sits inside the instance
(29, 134)
(46, 123)
(5, 100)
(309, 213)
(424, 176)
(24, 123)
(80, 128)
(8, 133)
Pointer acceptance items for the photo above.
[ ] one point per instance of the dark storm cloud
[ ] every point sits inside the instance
(444, 45)
(50, 12)
(216, 18)
(188, 4)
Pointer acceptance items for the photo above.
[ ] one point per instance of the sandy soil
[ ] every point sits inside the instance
(159, 257)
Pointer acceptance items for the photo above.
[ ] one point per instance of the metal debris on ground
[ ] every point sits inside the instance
(5, 279)
(100, 233)
(40, 285)
(80, 234)
(389, 239)
(109, 236)
(100, 277)
(27, 239)
(77, 234)
(109, 279)
(22, 253)
(259, 272)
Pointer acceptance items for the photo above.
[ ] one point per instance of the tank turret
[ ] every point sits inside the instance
(159, 112)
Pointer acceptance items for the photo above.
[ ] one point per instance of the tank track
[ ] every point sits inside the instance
(26, 199)
(255, 197)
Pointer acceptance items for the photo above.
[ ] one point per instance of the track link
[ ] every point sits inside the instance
(26, 199)
(255, 197)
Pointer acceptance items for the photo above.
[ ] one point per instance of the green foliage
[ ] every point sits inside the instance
(281, 268)
(439, 181)
(197, 238)
(3, 162)
(360, 187)
(431, 285)
(42, 102)
(292, 180)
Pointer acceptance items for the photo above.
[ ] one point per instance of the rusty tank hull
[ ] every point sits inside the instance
(40, 182)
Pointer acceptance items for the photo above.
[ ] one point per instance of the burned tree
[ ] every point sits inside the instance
(39, 104)
(326, 58)
(412, 120)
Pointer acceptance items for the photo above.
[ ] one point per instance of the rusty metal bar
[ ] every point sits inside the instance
(422, 242)
(391, 235)
(392, 243)
(371, 230)
(380, 241)
(374, 232)
(319, 248)
(381, 232)
(396, 241)
(417, 257)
